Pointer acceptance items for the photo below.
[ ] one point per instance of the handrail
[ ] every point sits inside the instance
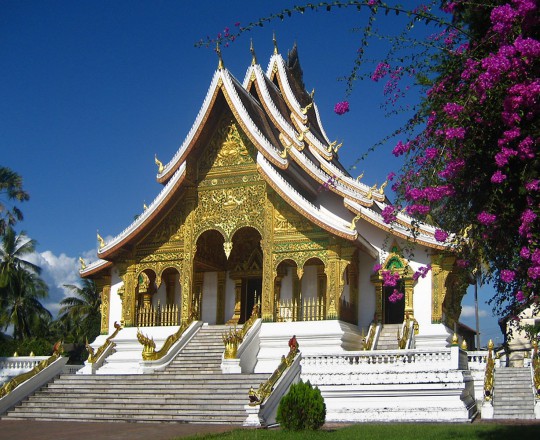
(535, 365)
(10, 385)
(149, 352)
(488, 378)
(404, 341)
(234, 338)
(94, 355)
(368, 342)
(257, 397)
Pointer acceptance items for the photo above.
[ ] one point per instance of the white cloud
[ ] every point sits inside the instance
(468, 312)
(56, 271)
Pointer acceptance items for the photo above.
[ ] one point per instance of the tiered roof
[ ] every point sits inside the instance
(294, 155)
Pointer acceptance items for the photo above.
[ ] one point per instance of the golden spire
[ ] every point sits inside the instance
(101, 241)
(276, 51)
(220, 60)
(253, 56)
(159, 164)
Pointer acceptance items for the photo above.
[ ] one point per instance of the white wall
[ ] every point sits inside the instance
(209, 297)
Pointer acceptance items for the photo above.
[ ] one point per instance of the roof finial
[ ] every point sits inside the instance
(276, 51)
(253, 56)
(159, 164)
(220, 60)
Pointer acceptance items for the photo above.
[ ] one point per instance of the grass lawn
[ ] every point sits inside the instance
(388, 431)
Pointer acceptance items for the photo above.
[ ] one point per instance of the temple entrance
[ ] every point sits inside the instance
(394, 311)
(245, 268)
(251, 294)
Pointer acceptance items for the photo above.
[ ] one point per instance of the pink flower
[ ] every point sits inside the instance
(536, 257)
(486, 218)
(508, 275)
(440, 235)
(389, 279)
(377, 268)
(498, 177)
(422, 272)
(401, 148)
(391, 176)
(452, 109)
(455, 133)
(395, 296)
(341, 107)
(380, 71)
(503, 18)
(389, 214)
(533, 185)
(520, 296)
(525, 253)
(534, 272)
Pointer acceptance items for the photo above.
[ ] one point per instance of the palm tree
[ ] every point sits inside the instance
(23, 310)
(13, 250)
(83, 309)
(21, 288)
(10, 187)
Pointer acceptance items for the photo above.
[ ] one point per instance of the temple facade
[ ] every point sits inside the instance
(256, 208)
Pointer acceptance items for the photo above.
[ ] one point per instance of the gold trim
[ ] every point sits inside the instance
(93, 356)
(149, 352)
(257, 397)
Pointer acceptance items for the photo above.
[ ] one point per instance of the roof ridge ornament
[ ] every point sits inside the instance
(331, 146)
(359, 178)
(381, 189)
(253, 56)
(101, 241)
(276, 51)
(159, 164)
(220, 59)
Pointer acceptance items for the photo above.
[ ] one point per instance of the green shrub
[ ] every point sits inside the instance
(301, 408)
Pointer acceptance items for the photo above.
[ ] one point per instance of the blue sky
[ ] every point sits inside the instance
(91, 90)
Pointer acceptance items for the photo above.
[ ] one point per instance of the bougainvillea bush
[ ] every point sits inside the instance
(474, 167)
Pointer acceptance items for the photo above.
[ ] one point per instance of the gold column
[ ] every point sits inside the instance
(409, 309)
(190, 247)
(129, 300)
(321, 291)
(333, 274)
(441, 265)
(220, 312)
(377, 282)
(105, 286)
(278, 277)
(267, 243)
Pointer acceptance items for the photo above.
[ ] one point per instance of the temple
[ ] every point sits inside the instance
(259, 220)
(256, 207)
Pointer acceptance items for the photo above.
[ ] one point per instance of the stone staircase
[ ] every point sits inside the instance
(191, 390)
(512, 393)
(388, 337)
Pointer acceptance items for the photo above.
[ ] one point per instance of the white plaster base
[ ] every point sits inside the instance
(433, 336)
(314, 337)
(127, 353)
(400, 397)
(487, 410)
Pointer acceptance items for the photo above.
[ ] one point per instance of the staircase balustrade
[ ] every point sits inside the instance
(489, 376)
(95, 356)
(369, 341)
(263, 402)
(234, 337)
(149, 352)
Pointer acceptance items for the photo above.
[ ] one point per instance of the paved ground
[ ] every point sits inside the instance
(27, 430)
